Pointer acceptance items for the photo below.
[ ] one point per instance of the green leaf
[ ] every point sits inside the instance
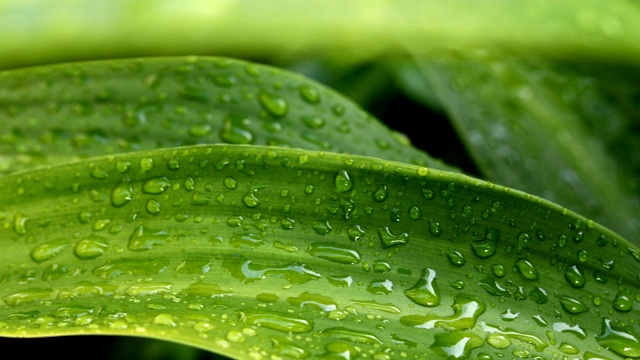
(562, 132)
(38, 32)
(66, 112)
(256, 251)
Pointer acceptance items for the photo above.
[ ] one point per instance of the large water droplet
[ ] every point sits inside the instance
(343, 181)
(456, 345)
(145, 238)
(456, 258)
(574, 276)
(527, 269)
(277, 321)
(27, 296)
(121, 194)
(619, 340)
(91, 247)
(466, 309)
(425, 291)
(156, 185)
(48, 250)
(275, 105)
(314, 301)
(234, 131)
(356, 336)
(572, 306)
(622, 302)
(486, 247)
(334, 252)
(389, 239)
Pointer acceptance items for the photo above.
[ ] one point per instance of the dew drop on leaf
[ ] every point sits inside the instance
(277, 321)
(389, 239)
(425, 291)
(275, 105)
(619, 340)
(343, 181)
(48, 250)
(574, 276)
(527, 269)
(121, 194)
(456, 258)
(573, 306)
(156, 185)
(91, 247)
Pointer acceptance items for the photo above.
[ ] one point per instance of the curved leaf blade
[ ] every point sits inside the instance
(59, 113)
(255, 251)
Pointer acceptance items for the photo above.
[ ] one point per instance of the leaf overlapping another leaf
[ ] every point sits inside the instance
(259, 251)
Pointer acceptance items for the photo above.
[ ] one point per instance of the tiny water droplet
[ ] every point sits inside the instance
(434, 228)
(414, 213)
(20, 223)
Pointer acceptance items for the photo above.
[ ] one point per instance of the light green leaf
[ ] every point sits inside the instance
(65, 112)
(42, 31)
(252, 251)
(564, 133)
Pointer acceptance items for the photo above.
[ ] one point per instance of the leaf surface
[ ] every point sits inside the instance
(255, 251)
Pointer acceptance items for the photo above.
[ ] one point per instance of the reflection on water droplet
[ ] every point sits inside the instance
(456, 258)
(165, 320)
(27, 296)
(380, 194)
(380, 287)
(314, 301)
(321, 227)
(425, 291)
(535, 341)
(622, 302)
(20, 223)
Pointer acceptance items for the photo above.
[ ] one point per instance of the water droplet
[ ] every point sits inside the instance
(200, 130)
(389, 239)
(527, 269)
(380, 287)
(131, 266)
(498, 270)
(466, 309)
(572, 306)
(225, 80)
(486, 247)
(99, 173)
(619, 340)
(146, 289)
(146, 164)
(289, 349)
(334, 252)
(343, 181)
(498, 341)
(275, 105)
(568, 348)
(121, 194)
(622, 303)
(153, 207)
(355, 232)
(380, 266)
(230, 183)
(380, 194)
(456, 258)
(309, 94)
(414, 213)
(199, 199)
(145, 238)
(533, 340)
(574, 276)
(456, 345)
(340, 280)
(539, 295)
(156, 185)
(165, 320)
(249, 271)
(233, 130)
(250, 200)
(206, 290)
(425, 291)
(277, 321)
(356, 336)
(20, 223)
(246, 239)
(434, 228)
(27, 296)
(91, 247)
(314, 301)
(48, 250)
(321, 227)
